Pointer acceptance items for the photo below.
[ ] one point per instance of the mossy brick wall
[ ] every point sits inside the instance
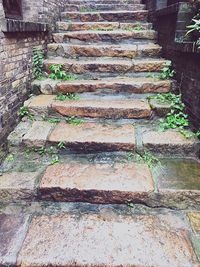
(171, 26)
(16, 56)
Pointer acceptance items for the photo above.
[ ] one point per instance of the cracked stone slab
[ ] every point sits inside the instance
(96, 183)
(38, 134)
(39, 105)
(18, 186)
(94, 137)
(12, 233)
(139, 240)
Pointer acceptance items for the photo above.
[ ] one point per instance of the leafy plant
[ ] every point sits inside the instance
(146, 157)
(10, 158)
(74, 120)
(52, 119)
(25, 112)
(38, 58)
(55, 159)
(166, 72)
(195, 27)
(137, 28)
(61, 145)
(108, 29)
(68, 96)
(57, 73)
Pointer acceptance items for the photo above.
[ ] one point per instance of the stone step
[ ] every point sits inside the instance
(96, 183)
(107, 65)
(94, 36)
(117, 2)
(93, 108)
(102, 7)
(115, 16)
(119, 84)
(94, 50)
(82, 26)
(121, 237)
(86, 137)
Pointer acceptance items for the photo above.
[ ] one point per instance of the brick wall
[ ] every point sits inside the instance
(170, 23)
(16, 56)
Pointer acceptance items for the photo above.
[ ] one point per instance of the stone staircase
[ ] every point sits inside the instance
(74, 190)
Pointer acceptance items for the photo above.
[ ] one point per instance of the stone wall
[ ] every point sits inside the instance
(170, 22)
(17, 40)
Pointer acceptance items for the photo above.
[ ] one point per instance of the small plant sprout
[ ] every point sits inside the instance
(25, 112)
(55, 159)
(74, 120)
(147, 157)
(61, 145)
(68, 96)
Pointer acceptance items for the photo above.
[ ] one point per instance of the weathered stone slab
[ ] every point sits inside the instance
(150, 65)
(170, 141)
(122, 16)
(132, 85)
(115, 109)
(140, 241)
(81, 26)
(103, 36)
(161, 109)
(103, 50)
(39, 105)
(18, 186)
(47, 86)
(38, 134)
(12, 232)
(96, 183)
(94, 137)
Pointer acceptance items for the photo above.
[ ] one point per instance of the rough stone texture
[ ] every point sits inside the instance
(12, 233)
(94, 137)
(103, 36)
(38, 134)
(107, 65)
(141, 241)
(18, 186)
(95, 108)
(40, 104)
(170, 141)
(111, 50)
(47, 86)
(122, 16)
(80, 26)
(161, 109)
(131, 85)
(99, 183)
(103, 7)
(194, 218)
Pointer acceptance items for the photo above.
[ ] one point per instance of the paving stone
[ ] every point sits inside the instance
(47, 86)
(38, 134)
(103, 7)
(168, 142)
(18, 186)
(150, 65)
(99, 183)
(115, 109)
(132, 85)
(122, 16)
(94, 137)
(161, 109)
(103, 36)
(140, 240)
(12, 232)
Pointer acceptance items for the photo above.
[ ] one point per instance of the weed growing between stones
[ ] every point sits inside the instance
(68, 96)
(61, 145)
(108, 29)
(55, 159)
(74, 120)
(88, 9)
(57, 73)
(25, 112)
(147, 157)
(176, 118)
(130, 29)
(38, 58)
(166, 73)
